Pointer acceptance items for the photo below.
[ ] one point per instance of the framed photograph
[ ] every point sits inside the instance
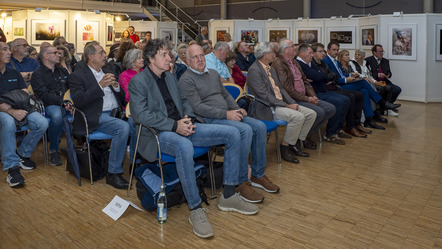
(220, 34)
(19, 29)
(345, 36)
(402, 41)
(110, 34)
(168, 34)
(117, 36)
(250, 36)
(368, 36)
(276, 35)
(439, 42)
(86, 31)
(308, 35)
(46, 30)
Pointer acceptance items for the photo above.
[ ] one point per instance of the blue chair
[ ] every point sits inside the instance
(234, 90)
(95, 135)
(166, 158)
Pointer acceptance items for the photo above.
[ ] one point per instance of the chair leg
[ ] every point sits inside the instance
(278, 150)
(133, 161)
(45, 147)
(320, 137)
(89, 159)
(211, 175)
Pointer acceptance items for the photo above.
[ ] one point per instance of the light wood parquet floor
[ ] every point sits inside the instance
(381, 192)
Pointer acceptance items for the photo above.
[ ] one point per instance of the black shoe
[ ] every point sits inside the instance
(116, 180)
(372, 124)
(288, 155)
(380, 119)
(298, 151)
(14, 178)
(26, 163)
(309, 144)
(395, 110)
(55, 159)
(391, 106)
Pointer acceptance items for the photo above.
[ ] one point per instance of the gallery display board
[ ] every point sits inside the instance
(166, 30)
(412, 43)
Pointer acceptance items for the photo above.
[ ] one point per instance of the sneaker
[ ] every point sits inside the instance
(236, 204)
(200, 224)
(391, 113)
(54, 158)
(334, 139)
(342, 134)
(26, 163)
(14, 178)
(248, 194)
(265, 183)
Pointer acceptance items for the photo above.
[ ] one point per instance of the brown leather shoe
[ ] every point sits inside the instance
(264, 183)
(361, 129)
(342, 134)
(355, 133)
(248, 193)
(288, 155)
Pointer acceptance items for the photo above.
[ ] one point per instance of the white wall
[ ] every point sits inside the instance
(226, 25)
(434, 72)
(278, 25)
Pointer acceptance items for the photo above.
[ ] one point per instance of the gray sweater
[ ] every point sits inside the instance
(206, 94)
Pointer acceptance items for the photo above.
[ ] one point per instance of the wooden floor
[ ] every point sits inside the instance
(381, 192)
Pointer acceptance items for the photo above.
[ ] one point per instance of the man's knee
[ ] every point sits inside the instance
(7, 122)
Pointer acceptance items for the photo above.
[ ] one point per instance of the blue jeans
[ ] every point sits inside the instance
(205, 135)
(368, 92)
(324, 111)
(119, 130)
(253, 134)
(36, 123)
(342, 103)
(53, 112)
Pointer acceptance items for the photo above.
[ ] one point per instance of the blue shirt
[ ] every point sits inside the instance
(213, 63)
(26, 65)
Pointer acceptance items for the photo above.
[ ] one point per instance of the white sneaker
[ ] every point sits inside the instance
(391, 113)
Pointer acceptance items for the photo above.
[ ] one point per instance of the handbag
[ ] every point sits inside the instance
(118, 113)
(99, 160)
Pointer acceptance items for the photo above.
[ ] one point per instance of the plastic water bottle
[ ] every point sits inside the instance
(162, 206)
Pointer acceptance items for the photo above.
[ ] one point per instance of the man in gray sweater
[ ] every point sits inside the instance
(212, 103)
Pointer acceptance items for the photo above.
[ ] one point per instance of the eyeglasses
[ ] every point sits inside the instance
(59, 53)
(382, 51)
(24, 45)
(101, 52)
(321, 51)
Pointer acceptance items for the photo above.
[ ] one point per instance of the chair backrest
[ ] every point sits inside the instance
(234, 90)
(67, 96)
(127, 110)
(30, 89)
(244, 72)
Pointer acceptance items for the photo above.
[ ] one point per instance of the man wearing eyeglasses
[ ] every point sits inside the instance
(96, 92)
(19, 60)
(49, 83)
(380, 69)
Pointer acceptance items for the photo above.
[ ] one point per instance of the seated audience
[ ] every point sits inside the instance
(319, 81)
(238, 77)
(122, 50)
(228, 39)
(65, 58)
(217, 61)
(263, 82)
(147, 37)
(59, 41)
(125, 37)
(50, 82)
(156, 101)
(74, 56)
(19, 60)
(207, 47)
(211, 101)
(353, 119)
(203, 35)
(97, 93)
(182, 51)
(14, 158)
(294, 81)
(244, 60)
(32, 53)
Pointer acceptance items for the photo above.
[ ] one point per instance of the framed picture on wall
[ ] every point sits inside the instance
(250, 36)
(86, 32)
(439, 42)
(19, 29)
(278, 33)
(307, 35)
(368, 36)
(220, 33)
(46, 30)
(110, 34)
(168, 34)
(402, 41)
(345, 36)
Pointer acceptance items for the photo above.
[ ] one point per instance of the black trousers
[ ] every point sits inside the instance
(355, 110)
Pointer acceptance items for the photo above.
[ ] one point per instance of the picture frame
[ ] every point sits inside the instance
(250, 36)
(368, 35)
(308, 35)
(219, 32)
(46, 30)
(276, 34)
(168, 34)
(345, 36)
(19, 29)
(110, 33)
(402, 41)
(439, 42)
(86, 31)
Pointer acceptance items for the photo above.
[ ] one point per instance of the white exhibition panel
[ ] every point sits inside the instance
(220, 26)
(277, 29)
(306, 26)
(434, 72)
(140, 27)
(252, 27)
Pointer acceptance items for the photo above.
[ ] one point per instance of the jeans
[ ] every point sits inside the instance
(37, 125)
(53, 112)
(369, 93)
(205, 135)
(119, 130)
(342, 103)
(253, 135)
(324, 111)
